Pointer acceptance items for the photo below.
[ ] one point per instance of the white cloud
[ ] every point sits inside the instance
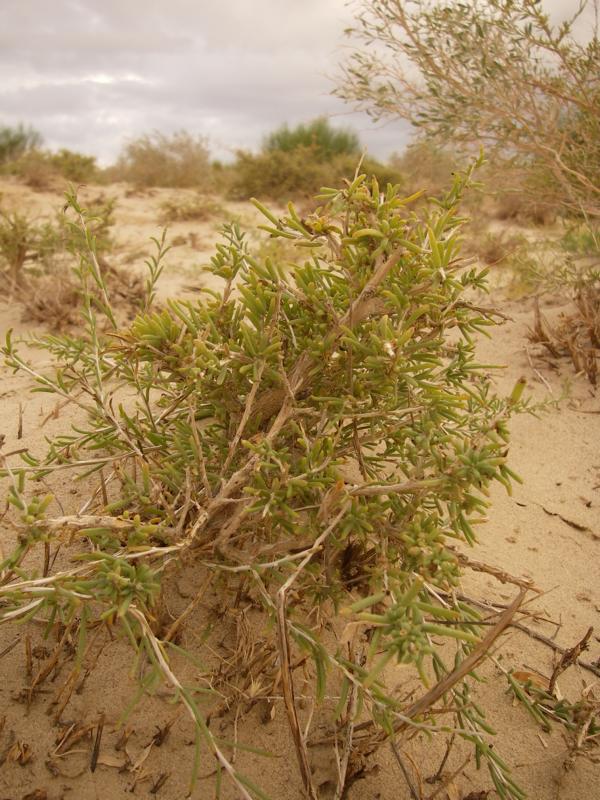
(90, 73)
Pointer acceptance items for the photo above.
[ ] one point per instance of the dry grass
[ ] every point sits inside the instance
(198, 208)
(577, 334)
(179, 160)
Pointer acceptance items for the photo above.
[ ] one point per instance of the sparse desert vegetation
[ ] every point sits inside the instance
(299, 450)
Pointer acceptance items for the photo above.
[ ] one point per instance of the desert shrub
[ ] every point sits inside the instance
(297, 162)
(493, 247)
(16, 141)
(497, 74)
(429, 166)
(156, 159)
(316, 439)
(73, 166)
(576, 334)
(383, 173)
(426, 166)
(198, 208)
(25, 242)
(325, 141)
(276, 175)
(299, 173)
(36, 170)
(40, 256)
(44, 170)
(523, 199)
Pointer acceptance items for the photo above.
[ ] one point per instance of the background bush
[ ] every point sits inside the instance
(15, 141)
(298, 162)
(496, 74)
(44, 170)
(158, 159)
(325, 141)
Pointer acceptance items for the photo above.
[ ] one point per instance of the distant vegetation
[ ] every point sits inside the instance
(297, 162)
(157, 159)
(497, 74)
(14, 142)
(324, 141)
(22, 155)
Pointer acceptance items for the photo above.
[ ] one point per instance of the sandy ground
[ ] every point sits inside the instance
(548, 531)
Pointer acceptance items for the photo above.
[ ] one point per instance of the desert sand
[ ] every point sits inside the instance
(547, 532)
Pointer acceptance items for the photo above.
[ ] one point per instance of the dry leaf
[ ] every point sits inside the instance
(21, 753)
(137, 764)
(533, 678)
(452, 792)
(111, 761)
(349, 632)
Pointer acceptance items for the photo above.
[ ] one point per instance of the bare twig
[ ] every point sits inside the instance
(284, 655)
(569, 657)
(409, 781)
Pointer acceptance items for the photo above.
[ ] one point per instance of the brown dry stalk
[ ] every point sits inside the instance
(568, 658)
(96, 747)
(468, 665)
(289, 699)
(171, 678)
(420, 707)
(285, 661)
(174, 627)
(501, 575)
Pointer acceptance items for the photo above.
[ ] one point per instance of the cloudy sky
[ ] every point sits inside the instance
(90, 73)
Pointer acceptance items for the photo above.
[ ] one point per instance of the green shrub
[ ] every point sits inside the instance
(74, 167)
(38, 258)
(43, 170)
(582, 240)
(325, 141)
(276, 175)
(25, 243)
(315, 441)
(179, 160)
(35, 169)
(15, 142)
(299, 173)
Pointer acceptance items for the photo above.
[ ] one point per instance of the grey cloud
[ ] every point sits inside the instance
(89, 73)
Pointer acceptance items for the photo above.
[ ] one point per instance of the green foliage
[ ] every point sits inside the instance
(101, 218)
(582, 241)
(73, 166)
(279, 174)
(496, 74)
(156, 159)
(325, 141)
(323, 427)
(23, 241)
(37, 257)
(15, 142)
(35, 169)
